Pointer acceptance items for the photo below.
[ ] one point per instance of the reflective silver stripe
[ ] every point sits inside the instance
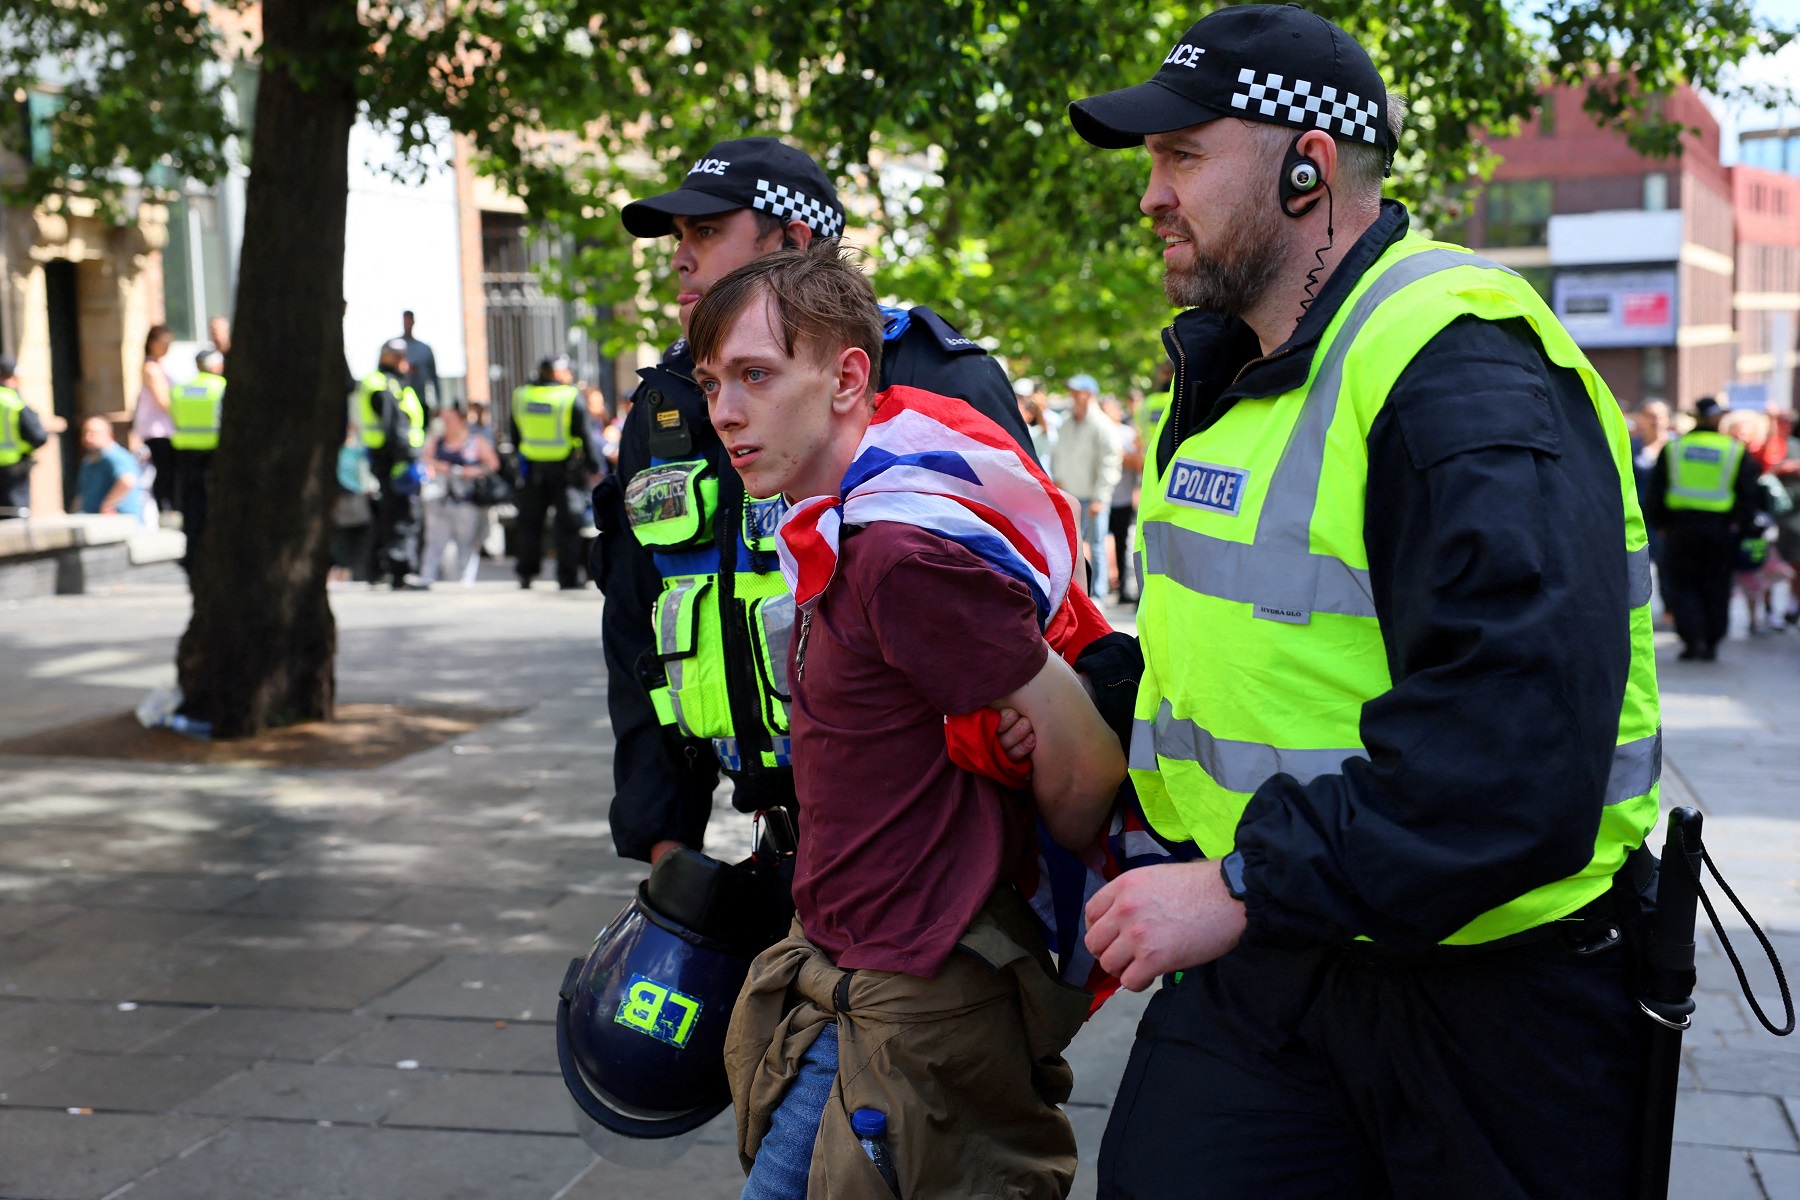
(1249, 574)
(1246, 766)
(777, 618)
(1637, 563)
(668, 640)
(1234, 766)
(1636, 768)
(1277, 573)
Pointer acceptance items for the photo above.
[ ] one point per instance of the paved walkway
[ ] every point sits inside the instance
(297, 985)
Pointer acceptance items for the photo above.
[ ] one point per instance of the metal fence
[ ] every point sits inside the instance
(523, 323)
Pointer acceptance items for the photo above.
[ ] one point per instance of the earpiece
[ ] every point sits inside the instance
(1300, 178)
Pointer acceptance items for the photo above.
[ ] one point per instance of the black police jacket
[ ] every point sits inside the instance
(1496, 539)
(663, 783)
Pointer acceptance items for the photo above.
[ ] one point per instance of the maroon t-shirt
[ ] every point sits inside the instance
(899, 849)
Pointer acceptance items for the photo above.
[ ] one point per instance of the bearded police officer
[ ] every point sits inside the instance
(391, 423)
(559, 457)
(194, 409)
(1398, 684)
(1703, 497)
(697, 619)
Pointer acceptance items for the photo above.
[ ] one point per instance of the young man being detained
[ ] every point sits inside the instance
(926, 555)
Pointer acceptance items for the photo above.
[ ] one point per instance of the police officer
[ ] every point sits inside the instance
(558, 460)
(391, 424)
(195, 408)
(21, 432)
(1703, 497)
(1398, 686)
(697, 620)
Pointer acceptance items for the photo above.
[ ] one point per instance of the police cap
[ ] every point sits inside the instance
(758, 173)
(1272, 63)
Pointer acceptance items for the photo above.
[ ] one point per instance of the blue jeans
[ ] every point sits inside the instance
(784, 1160)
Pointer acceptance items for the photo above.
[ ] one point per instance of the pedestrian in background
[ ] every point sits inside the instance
(218, 331)
(422, 372)
(1034, 413)
(1123, 512)
(150, 419)
(196, 408)
(22, 431)
(1704, 497)
(1649, 434)
(390, 424)
(457, 462)
(559, 460)
(107, 481)
(1084, 461)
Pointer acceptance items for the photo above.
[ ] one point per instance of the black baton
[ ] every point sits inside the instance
(1668, 997)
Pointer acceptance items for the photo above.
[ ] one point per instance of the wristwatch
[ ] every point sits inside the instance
(1231, 870)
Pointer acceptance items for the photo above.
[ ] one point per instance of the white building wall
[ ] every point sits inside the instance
(401, 249)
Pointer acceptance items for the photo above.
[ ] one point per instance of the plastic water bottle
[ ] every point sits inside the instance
(870, 1127)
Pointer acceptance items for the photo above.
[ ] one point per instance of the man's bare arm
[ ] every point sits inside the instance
(1076, 762)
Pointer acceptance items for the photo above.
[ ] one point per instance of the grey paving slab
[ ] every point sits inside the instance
(259, 1033)
(279, 1161)
(500, 987)
(318, 898)
(181, 892)
(280, 933)
(55, 1027)
(1710, 1173)
(1778, 1173)
(505, 1103)
(340, 1093)
(22, 918)
(115, 1083)
(55, 1156)
(456, 1044)
(338, 979)
(1726, 1119)
(708, 1171)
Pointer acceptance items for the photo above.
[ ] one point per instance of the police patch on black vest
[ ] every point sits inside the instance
(1204, 485)
(659, 494)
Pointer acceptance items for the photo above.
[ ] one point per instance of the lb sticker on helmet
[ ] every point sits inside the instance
(658, 1011)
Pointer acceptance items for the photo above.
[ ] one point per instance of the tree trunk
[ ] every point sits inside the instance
(258, 650)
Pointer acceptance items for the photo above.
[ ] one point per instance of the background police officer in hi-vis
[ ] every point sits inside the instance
(559, 457)
(22, 431)
(1703, 497)
(697, 620)
(1398, 683)
(390, 421)
(195, 408)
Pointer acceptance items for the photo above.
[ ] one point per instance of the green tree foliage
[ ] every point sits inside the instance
(1007, 222)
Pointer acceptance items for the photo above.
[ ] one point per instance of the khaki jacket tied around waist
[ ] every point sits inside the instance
(967, 1065)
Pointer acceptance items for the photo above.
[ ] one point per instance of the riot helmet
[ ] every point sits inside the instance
(641, 1023)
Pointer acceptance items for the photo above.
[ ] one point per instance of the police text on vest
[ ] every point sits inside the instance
(1204, 485)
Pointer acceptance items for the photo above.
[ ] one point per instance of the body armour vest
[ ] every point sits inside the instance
(1254, 535)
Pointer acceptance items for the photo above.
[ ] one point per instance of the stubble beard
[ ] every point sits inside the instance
(1232, 275)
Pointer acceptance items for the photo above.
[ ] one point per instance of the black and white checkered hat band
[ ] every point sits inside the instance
(780, 200)
(1301, 102)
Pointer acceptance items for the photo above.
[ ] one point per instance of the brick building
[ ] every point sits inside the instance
(1766, 209)
(1635, 254)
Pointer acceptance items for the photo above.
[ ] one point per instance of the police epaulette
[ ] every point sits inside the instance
(947, 335)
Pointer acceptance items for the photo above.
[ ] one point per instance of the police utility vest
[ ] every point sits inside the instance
(12, 439)
(541, 411)
(1703, 467)
(369, 415)
(1253, 538)
(724, 621)
(194, 410)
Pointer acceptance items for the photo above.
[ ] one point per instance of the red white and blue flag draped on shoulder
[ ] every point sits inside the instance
(935, 463)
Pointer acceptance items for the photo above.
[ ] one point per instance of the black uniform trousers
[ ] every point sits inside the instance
(15, 488)
(546, 488)
(1356, 1073)
(1698, 555)
(394, 550)
(192, 466)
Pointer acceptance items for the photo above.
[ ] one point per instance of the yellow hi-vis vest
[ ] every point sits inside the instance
(194, 409)
(541, 411)
(368, 411)
(12, 439)
(1703, 468)
(1252, 543)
